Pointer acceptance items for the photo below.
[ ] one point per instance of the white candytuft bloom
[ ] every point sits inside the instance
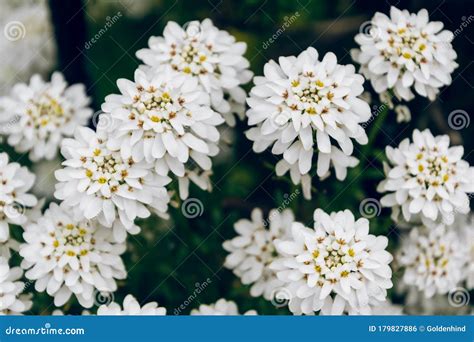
(98, 182)
(335, 267)
(209, 56)
(387, 309)
(165, 120)
(27, 43)
(43, 114)
(68, 256)
(12, 301)
(252, 251)
(15, 184)
(434, 259)
(427, 179)
(131, 307)
(406, 52)
(303, 105)
(222, 307)
(464, 226)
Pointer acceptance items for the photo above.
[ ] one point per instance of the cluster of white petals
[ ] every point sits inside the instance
(165, 120)
(406, 52)
(303, 105)
(27, 43)
(15, 184)
(209, 56)
(427, 179)
(334, 268)
(66, 256)
(99, 183)
(252, 250)
(222, 307)
(434, 259)
(12, 301)
(131, 307)
(41, 114)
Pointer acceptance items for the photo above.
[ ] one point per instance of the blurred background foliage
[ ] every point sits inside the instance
(169, 259)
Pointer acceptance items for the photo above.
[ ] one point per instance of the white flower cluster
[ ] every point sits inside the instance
(406, 52)
(97, 182)
(166, 121)
(222, 307)
(427, 179)
(27, 43)
(334, 268)
(207, 55)
(434, 258)
(67, 256)
(303, 105)
(40, 114)
(12, 301)
(253, 250)
(15, 184)
(131, 307)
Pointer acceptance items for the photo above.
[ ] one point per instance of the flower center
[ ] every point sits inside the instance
(190, 57)
(72, 239)
(47, 112)
(432, 170)
(310, 95)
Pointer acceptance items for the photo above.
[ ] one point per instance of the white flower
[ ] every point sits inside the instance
(68, 256)
(45, 113)
(99, 183)
(210, 56)
(427, 178)
(222, 307)
(12, 301)
(252, 251)
(27, 43)
(15, 183)
(434, 259)
(335, 267)
(302, 105)
(165, 120)
(406, 51)
(403, 113)
(131, 307)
